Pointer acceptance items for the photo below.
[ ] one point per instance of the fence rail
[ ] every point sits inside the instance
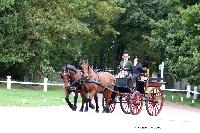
(188, 91)
(45, 85)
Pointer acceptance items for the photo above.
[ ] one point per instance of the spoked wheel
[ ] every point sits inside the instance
(136, 102)
(125, 103)
(111, 107)
(154, 102)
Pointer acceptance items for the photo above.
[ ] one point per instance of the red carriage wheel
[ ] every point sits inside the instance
(124, 103)
(136, 103)
(111, 107)
(154, 101)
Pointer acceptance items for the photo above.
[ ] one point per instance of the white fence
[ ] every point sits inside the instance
(45, 87)
(188, 92)
(44, 84)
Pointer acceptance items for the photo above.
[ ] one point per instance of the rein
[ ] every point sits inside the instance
(88, 80)
(72, 79)
(92, 73)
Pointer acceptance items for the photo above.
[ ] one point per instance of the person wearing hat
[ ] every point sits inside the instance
(125, 64)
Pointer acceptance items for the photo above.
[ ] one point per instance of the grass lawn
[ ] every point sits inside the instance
(177, 98)
(24, 95)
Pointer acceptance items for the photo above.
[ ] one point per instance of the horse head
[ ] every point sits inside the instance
(85, 68)
(65, 75)
(69, 73)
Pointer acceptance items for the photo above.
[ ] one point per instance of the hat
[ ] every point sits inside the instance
(125, 56)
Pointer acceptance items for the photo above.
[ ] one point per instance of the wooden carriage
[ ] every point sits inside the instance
(131, 100)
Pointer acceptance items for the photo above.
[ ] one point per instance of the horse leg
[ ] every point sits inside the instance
(75, 101)
(82, 105)
(86, 102)
(96, 101)
(67, 92)
(108, 99)
(93, 94)
(83, 102)
(91, 105)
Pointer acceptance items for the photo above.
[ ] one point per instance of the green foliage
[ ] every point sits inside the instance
(39, 34)
(178, 36)
(134, 26)
(6, 4)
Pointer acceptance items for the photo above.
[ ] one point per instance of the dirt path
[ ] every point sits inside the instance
(60, 119)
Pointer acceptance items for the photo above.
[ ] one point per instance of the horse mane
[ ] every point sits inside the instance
(71, 67)
(91, 70)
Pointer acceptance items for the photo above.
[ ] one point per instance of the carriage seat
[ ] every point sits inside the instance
(122, 82)
(122, 85)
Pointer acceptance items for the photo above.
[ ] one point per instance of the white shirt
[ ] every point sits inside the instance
(124, 63)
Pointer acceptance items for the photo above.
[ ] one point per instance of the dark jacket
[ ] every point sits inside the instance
(137, 70)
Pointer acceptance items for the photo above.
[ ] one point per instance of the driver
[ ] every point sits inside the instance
(125, 64)
(124, 67)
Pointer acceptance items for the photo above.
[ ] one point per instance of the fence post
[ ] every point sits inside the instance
(188, 91)
(161, 68)
(45, 84)
(195, 93)
(8, 82)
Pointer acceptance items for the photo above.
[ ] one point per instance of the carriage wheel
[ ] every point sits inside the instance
(154, 102)
(136, 103)
(124, 103)
(111, 107)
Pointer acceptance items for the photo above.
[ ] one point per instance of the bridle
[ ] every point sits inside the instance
(93, 73)
(89, 75)
(71, 80)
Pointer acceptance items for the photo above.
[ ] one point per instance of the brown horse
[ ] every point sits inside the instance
(72, 79)
(102, 82)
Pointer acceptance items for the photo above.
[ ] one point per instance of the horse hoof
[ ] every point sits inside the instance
(74, 108)
(106, 110)
(80, 110)
(97, 111)
(92, 106)
(86, 110)
(71, 107)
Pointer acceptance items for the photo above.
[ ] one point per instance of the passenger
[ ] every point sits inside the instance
(137, 69)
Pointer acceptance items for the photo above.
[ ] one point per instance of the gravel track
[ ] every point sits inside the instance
(60, 119)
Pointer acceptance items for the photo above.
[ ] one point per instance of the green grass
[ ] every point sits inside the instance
(177, 98)
(32, 95)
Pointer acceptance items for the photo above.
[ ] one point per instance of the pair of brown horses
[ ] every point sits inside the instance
(89, 84)
(72, 79)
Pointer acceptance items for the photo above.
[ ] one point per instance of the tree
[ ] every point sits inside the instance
(177, 39)
(134, 26)
(38, 34)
